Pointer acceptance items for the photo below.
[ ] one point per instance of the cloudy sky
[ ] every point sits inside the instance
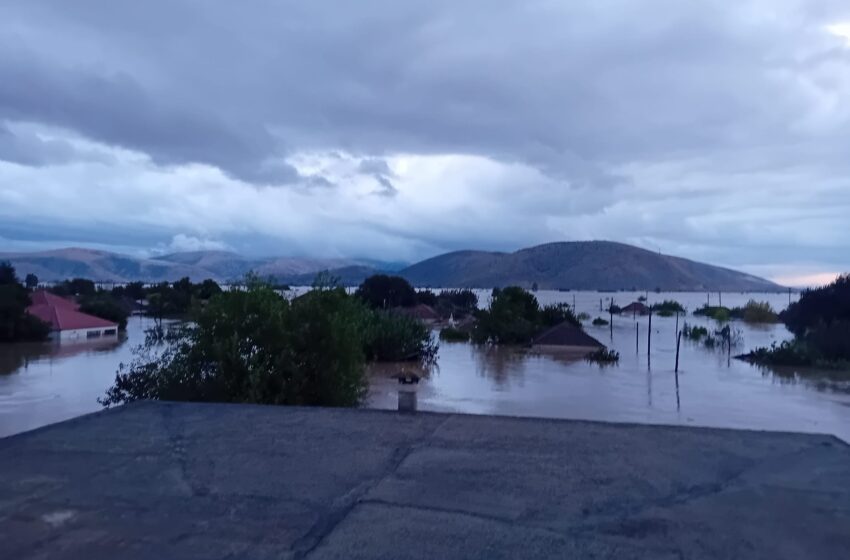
(714, 130)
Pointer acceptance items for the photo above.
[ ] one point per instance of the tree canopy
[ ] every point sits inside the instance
(384, 292)
(253, 345)
(515, 317)
(15, 323)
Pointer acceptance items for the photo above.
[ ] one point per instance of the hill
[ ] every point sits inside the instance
(583, 265)
(580, 265)
(222, 266)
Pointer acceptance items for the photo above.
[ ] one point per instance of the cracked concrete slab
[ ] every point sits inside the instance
(154, 480)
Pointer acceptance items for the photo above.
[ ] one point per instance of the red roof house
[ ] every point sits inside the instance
(64, 315)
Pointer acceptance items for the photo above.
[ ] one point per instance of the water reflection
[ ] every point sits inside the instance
(17, 358)
(41, 383)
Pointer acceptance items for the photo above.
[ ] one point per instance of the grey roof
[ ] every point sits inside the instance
(566, 334)
(635, 306)
(215, 481)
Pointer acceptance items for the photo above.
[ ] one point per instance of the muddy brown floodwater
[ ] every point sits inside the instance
(46, 383)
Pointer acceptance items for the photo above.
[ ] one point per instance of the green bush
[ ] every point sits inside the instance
(515, 317)
(456, 303)
(390, 336)
(15, 323)
(385, 292)
(451, 334)
(603, 356)
(105, 306)
(255, 346)
(694, 332)
(755, 312)
(718, 313)
(667, 308)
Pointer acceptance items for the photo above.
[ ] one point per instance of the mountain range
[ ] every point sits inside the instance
(578, 265)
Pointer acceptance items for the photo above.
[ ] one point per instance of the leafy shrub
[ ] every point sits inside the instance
(667, 308)
(824, 305)
(456, 303)
(254, 346)
(385, 292)
(603, 356)
(451, 334)
(755, 312)
(788, 353)
(105, 306)
(695, 332)
(390, 336)
(515, 317)
(15, 323)
(718, 313)
(557, 313)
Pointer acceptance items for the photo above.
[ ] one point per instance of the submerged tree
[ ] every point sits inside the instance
(515, 317)
(254, 346)
(15, 323)
(384, 292)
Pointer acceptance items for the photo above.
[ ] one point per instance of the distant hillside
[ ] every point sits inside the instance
(100, 266)
(346, 275)
(580, 265)
(585, 265)
(222, 266)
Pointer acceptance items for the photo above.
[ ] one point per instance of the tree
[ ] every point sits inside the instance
(427, 297)
(106, 306)
(254, 346)
(384, 292)
(207, 289)
(133, 290)
(7, 274)
(15, 323)
(513, 318)
(457, 303)
(820, 321)
(75, 287)
(557, 313)
(390, 336)
(31, 281)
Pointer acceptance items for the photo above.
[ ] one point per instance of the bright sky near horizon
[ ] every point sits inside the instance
(716, 130)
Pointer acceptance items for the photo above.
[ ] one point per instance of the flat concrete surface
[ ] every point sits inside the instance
(162, 480)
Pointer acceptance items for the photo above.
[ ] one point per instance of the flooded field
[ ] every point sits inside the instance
(45, 383)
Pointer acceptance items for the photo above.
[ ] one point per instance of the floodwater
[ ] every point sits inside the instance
(45, 383)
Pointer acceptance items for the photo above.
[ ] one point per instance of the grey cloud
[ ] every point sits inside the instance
(387, 187)
(30, 150)
(594, 95)
(590, 85)
(375, 166)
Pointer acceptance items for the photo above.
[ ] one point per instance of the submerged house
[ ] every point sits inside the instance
(635, 308)
(66, 320)
(566, 337)
(422, 312)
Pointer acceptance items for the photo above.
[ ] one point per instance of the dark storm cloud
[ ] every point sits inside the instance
(693, 125)
(566, 87)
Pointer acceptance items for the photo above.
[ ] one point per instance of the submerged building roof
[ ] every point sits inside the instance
(63, 314)
(566, 334)
(635, 307)
(422, 312)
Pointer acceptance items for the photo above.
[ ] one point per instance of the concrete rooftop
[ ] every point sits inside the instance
(162, 480)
